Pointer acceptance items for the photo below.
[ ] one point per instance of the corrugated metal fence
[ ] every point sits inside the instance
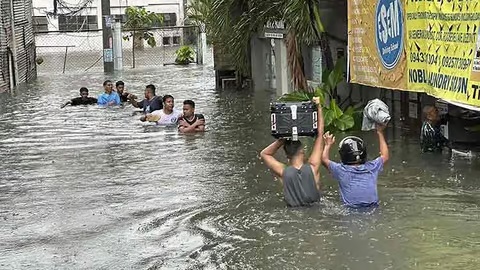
(22, 45)
(4, 40)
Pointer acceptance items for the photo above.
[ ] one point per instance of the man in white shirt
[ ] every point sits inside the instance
(168, 115)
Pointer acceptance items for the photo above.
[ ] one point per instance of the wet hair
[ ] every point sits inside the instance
(164, 99)
(189, 102)
(83, 89)
(106, 82)
(427, 110)
(151, 87)
(292, 148)
(119, 83)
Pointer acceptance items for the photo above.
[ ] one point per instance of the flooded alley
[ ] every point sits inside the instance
(94, 188)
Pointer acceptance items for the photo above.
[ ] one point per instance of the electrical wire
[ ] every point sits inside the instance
(69, 9)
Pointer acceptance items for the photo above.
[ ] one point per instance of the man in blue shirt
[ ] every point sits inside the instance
(357, 177)
(110, 97)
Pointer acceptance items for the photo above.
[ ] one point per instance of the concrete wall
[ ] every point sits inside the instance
(92, 40)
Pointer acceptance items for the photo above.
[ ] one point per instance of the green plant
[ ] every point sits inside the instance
(184, 55)
(199, 12)
(139, 21)
(231, 24)
(335, 118)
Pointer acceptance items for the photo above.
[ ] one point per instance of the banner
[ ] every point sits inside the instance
(430, 46)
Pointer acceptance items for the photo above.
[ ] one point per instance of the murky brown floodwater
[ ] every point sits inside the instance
(92, 188)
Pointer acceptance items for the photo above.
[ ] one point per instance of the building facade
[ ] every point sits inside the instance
(81, 31)
(90, 17)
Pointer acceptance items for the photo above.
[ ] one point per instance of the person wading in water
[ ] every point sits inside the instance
(84, 99)
(300, 180)
(168, 116)
(191, 121)
(151, 103)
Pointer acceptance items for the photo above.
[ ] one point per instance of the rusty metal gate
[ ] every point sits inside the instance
(16, 43)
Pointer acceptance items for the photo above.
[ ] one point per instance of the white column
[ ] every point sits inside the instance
(201, 44)
(203, 37)
(271, 62)
(282, 80)
(117, 46)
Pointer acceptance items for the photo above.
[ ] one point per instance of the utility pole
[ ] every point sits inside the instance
(107, 37)
(117, 46)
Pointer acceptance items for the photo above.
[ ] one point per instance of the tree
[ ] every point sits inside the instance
(232, 23)
(139, 22)
(199, 13)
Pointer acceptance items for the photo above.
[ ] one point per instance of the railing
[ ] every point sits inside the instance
(64, 52)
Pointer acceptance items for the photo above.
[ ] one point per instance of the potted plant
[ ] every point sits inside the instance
(336, 119)
(184, 55)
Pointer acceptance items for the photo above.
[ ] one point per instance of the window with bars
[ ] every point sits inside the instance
(166, 41)
(169, 19)
(40, 24)
(120, 17)
(77, 23)
(176, 40)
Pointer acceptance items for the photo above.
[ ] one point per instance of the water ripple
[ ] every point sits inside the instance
(94, 188)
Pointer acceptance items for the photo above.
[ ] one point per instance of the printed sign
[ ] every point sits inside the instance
(417, 45)
(274, 30)
(274, 35)
(108, 21)
(107, 55)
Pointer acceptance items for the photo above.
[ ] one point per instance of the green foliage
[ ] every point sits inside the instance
(139, 21)
(232, 23)
(184, 55)
(335, 118)
(199, 12)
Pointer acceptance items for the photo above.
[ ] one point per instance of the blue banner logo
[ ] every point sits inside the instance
(389, 31)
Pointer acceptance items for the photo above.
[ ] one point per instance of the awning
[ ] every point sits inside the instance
(465, 106)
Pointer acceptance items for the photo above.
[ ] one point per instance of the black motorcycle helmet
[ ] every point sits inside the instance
(352, 150)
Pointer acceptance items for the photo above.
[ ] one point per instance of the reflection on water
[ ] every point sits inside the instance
(94, 188)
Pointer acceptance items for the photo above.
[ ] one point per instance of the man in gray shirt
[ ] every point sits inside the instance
(300, 180)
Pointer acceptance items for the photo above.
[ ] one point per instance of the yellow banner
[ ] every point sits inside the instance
(430, 46)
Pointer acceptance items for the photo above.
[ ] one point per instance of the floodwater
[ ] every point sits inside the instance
(93, 188)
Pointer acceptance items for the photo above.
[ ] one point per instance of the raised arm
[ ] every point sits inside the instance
(329, 141)
(383, 144)
(315, 157)
(272, 163)
(134, 102)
